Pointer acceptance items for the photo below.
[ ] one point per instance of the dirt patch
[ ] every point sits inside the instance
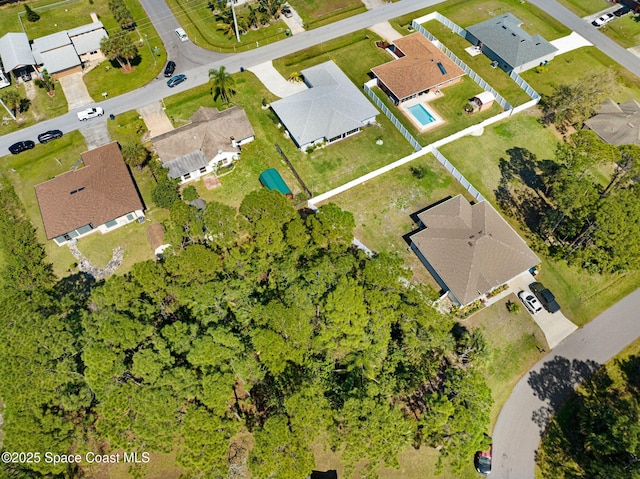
(211, 182)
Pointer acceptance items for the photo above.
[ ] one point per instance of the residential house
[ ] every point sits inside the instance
(100, 196)
(633, 5)
(332, 108)
(212, 139)
(470, 249)
(15, 52)
(65, 52)
(617, 124)
(419, 67)
(502, 40)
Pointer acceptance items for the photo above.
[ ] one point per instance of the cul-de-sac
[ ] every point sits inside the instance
(319, 239)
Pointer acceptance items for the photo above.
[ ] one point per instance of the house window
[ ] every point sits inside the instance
(95, 52)
(111, 224)
(203, 170)
(187, 176)
(130, 217)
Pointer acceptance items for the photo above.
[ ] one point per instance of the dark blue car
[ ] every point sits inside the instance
(176, 80)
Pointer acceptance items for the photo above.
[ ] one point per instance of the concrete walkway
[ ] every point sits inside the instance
(386, 31)
(275, 83)
(75, 90)
(155, 118)
(570, 42)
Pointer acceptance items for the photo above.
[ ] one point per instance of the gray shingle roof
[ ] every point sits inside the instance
(59, 59)
(330, 107)
(617, 124)
(471, 247)
(15, 51)
(506, 39)
(89, 41)
(184, 164)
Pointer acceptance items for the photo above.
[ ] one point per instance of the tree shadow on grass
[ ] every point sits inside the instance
(521, 190)
(556, 382)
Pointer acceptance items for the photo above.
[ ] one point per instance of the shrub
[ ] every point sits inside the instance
(189, 193)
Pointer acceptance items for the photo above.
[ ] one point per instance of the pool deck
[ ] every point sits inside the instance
(424, 101)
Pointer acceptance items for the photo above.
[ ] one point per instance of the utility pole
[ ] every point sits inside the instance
(235, 21)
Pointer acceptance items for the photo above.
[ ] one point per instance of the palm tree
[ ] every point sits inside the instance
(223, 83)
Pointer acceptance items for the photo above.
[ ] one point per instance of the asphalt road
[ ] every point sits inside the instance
(538, 394)
(591, 33)
(198, 75)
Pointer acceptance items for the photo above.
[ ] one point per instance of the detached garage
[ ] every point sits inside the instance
(272, 180)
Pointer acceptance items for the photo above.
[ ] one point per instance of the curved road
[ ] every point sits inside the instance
(538, 394)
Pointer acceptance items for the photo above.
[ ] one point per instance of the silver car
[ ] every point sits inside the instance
(530, 302)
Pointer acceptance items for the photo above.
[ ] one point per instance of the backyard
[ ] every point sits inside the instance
(483, 160)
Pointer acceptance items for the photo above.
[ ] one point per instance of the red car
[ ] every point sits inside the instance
(482, 461)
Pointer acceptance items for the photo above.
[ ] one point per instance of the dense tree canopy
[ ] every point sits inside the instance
(262, 320)
(598, 434)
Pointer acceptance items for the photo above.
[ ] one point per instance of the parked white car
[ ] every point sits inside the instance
(89, 113)
(182, 35)
(603, 20)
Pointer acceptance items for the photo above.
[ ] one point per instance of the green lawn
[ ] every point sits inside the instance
(41, 107)
(203, 29)
(470, 12)
(315, 13)
(565, 67)
(450, 105)
(355, 54)
(322, 170)
(481, 64)
(582, 8)
(581, 295)
(624, 30)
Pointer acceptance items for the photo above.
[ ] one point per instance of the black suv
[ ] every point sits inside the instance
(47, 136)
(21, 146)
(545, 296)
(169, 69)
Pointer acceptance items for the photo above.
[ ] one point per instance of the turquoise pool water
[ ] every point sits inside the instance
(421, 114)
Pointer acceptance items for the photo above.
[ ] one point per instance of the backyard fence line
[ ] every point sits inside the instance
(454, 27)
(466, 184)
(401, 128)
(472, 74)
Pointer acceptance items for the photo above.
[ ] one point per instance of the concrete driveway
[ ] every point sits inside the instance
(386, 31)
(276, 83)
(556, 327)
(155, 118)
(75, 90)
(96, 133)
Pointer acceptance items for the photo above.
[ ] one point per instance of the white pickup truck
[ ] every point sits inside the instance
(89, 113)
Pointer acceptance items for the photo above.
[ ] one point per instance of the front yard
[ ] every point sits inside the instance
(40, 106)
(521, 144)
(315, 13)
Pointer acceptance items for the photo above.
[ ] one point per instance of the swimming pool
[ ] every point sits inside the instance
(421, 114)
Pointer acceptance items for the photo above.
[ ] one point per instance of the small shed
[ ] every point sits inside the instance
(483, 100)
(272, 180)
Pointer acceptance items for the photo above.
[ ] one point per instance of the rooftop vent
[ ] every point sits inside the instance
(77, 190)
(442, 69)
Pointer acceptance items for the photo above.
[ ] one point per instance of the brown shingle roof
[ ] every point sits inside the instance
(418, 70)
(471, 247)
(210, 130)
(617, 124)
(101, 191)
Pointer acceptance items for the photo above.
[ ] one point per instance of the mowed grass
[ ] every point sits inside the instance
(355, 54)
(45, 162)
(315, 13)
(383, 206)
(41, 107)
(205, 31)
(624, 30)
(322, 170)
(470, 12)
(481, 64)
(568, 67)
(583, 8)
(582, 296)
